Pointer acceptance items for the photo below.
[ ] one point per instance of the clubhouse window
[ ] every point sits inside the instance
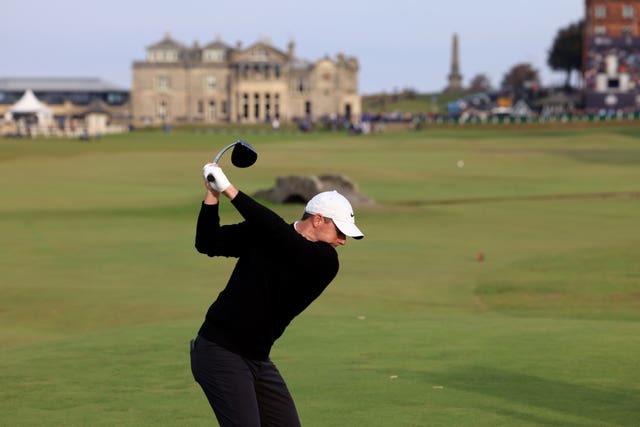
(213, 55)
(210, 82)
(52, 98)
(80, 98)
(212, 110)
(245, 106)
(267, 105)
(256, 106)
(300, 85)
(114, 98)
(163, 83)
(163, 109)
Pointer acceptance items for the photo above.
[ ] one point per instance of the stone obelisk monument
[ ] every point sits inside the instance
(455, 78)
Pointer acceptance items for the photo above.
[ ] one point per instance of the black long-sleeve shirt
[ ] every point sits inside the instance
(277, 275)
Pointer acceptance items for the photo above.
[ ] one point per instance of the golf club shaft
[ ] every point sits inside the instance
(210, 177)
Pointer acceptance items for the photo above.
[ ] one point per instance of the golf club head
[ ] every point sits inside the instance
(243, 154)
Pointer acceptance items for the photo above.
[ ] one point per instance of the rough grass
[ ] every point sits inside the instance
(101, 288)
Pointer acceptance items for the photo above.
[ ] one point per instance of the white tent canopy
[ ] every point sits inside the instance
(29, 104)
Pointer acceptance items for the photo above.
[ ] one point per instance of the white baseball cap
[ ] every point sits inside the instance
(333, 205)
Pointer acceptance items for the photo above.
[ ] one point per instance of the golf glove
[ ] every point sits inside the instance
(220, 181)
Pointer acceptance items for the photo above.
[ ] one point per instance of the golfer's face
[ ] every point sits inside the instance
(330, 234)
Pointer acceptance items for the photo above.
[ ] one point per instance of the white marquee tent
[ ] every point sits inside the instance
(30, 105)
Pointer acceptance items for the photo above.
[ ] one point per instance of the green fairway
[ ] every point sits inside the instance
(101, 288)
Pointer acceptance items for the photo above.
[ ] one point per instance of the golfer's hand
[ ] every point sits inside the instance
(214, 178)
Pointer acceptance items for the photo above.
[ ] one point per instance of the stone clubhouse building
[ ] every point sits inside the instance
(217, 83)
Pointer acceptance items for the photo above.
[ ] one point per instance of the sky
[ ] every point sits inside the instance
(399, 44)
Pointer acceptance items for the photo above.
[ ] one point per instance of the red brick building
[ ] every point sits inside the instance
(611, 57)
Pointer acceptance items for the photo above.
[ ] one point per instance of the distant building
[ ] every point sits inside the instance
(455, 78)
(217, 83)
(611, 57)
(68, 98)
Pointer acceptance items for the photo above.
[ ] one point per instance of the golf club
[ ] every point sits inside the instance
(242, 156)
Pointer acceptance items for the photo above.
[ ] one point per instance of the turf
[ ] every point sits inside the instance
(101, 288)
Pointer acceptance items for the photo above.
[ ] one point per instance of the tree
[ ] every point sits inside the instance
(566, 52)
(522, 79)
(480, 83)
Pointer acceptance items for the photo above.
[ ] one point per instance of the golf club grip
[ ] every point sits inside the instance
(210, 177)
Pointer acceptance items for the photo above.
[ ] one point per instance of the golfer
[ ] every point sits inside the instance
(281, 269)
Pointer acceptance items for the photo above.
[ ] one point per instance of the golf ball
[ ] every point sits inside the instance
(460, 163)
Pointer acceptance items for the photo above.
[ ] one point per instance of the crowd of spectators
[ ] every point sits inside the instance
(627, 62)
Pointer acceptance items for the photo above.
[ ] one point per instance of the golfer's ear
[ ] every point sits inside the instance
(317, 220)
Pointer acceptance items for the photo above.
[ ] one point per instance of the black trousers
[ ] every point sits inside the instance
(241, 391)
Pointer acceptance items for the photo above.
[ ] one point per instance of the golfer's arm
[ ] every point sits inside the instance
(253, 211)
(213, 239)
(211, 198)
(231, 192)
(207, 228)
